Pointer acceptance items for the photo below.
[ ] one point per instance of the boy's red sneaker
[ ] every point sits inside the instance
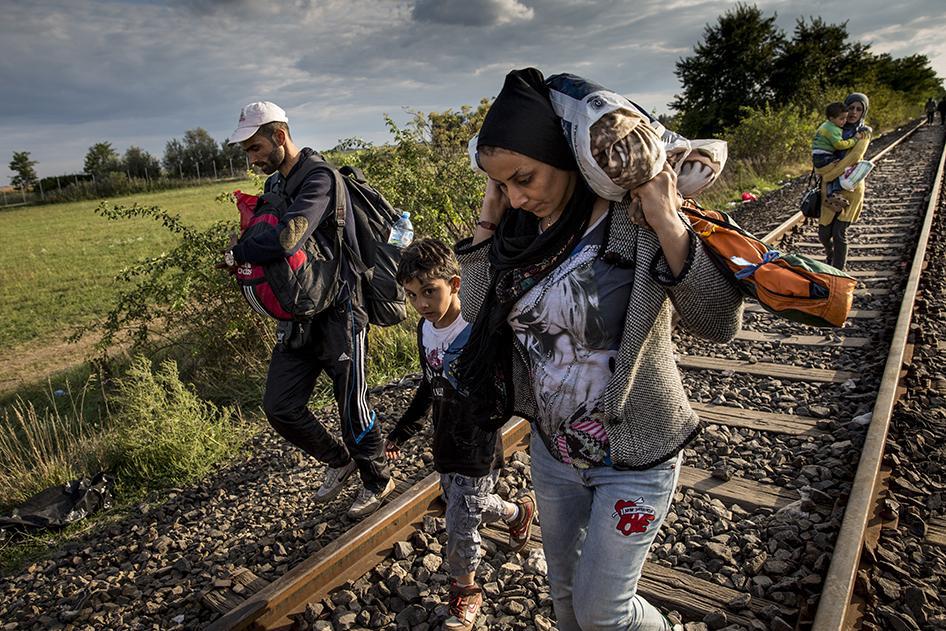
(465, 603)
(521, 528)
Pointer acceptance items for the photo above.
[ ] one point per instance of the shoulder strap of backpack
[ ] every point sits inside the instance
(294, 183)
(341, 201)
(354, 172)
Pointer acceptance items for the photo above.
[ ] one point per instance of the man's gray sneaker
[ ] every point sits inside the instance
(334, 481)
(368, 502)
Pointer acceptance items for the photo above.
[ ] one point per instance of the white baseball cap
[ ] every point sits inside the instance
(254, 115)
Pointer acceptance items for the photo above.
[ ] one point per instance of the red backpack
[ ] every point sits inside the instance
(304, 283)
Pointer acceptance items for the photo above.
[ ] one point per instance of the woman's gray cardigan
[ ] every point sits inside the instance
(648, 416)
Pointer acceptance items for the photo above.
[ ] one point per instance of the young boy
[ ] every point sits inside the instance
(828, 146)
(466, 457)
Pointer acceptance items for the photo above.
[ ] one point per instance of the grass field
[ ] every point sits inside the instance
(60, 262)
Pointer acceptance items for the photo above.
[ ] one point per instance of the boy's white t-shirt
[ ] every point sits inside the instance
(437, 341)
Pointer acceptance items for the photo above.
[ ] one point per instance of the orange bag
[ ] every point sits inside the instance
(790, 285)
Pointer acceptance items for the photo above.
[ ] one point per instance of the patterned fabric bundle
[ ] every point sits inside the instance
(619, 146)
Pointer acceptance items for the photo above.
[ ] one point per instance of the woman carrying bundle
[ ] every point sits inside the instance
(570, 296)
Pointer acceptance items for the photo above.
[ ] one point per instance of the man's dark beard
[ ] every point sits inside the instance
(273, 160)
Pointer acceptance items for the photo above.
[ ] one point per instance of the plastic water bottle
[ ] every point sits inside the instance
(403, 231)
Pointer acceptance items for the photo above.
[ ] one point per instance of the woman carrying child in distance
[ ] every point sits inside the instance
(834, 222)
(569, 294)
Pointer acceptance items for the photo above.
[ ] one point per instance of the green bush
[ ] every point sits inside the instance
(768, 139)
(181, 307)
(165, 435)
(426, 171)
(115, 184)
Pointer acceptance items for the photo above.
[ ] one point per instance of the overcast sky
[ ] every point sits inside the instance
(140, 72)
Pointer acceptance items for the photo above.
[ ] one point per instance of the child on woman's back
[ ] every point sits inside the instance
(467, 457)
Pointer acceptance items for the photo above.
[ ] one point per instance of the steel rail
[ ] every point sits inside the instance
(350, 555)
(839, 582)
(797, 219)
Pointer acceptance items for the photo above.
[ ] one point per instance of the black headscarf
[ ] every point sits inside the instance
(521, 119)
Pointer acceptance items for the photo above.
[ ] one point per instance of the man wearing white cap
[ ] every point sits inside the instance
(334, 340)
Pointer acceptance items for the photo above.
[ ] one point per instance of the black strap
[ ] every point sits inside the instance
(313, 162)
(341, 195)
(298, 177)
(354, 172)
(813, 179)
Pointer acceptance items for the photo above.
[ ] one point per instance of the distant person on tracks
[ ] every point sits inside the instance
(942, 111)
(930, 109)
(333, 341)
(834, 221)
(570, 297)
(466, 457)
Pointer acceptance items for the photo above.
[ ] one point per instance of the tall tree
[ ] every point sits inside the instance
(197, 154)
(140, 163)
(201, 150)
(173, 160)
(731, 69)
(231, 156)
(101, 160)
(818, 56)
(911, 75)
(23, 167)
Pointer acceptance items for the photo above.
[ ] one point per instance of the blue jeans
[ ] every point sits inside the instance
(597, 528)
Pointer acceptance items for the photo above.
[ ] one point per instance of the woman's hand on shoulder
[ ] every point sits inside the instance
(656, 202)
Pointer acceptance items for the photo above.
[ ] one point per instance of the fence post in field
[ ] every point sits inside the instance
(23, 191)
(231, 166)
(42, 193)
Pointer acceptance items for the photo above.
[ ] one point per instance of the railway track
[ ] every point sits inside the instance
(777, 498)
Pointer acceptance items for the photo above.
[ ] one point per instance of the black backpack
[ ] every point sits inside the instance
(303, 284)
(305, 290)
(377, 260)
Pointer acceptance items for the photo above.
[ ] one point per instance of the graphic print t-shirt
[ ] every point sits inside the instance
(443, 346)
(570, 326)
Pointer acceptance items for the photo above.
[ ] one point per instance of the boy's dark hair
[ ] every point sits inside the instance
(269, 129)
(427, 259)
(835, 109)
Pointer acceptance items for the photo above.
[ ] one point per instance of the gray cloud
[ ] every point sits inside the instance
(142, 72)
(472, 12)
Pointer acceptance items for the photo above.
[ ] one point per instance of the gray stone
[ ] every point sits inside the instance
(720, 551)
(716, 619)
(432, 562)
(403, 550)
